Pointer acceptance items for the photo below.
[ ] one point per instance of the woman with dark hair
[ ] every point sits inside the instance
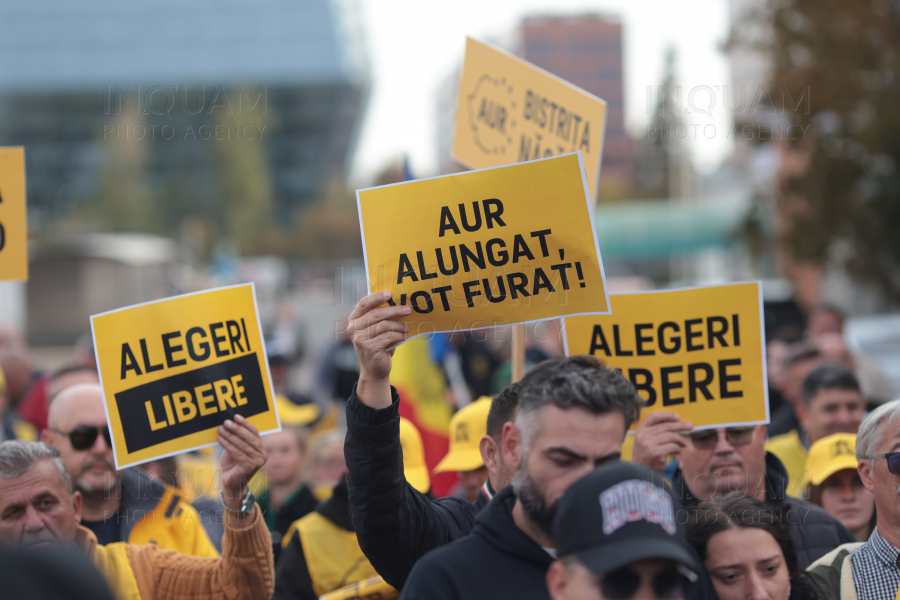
(835, 485)
(748, 552)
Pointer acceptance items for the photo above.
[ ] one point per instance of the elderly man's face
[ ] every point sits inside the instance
(37, 510)
(883, 484)
(718, 461)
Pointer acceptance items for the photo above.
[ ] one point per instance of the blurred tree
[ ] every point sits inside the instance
(243, 165)
(654, 178)
(124, 200)
(834, 72)
(329, 228)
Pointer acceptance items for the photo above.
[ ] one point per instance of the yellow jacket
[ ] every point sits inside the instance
(245, 571)
(321, 555)
(155, 513)
(792, 453)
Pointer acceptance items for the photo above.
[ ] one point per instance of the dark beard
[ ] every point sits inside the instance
(533, 502)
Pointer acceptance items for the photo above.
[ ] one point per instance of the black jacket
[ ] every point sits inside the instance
(300, 505)
(814, 531)
(395, 524)
(292, 578)
(496, 561)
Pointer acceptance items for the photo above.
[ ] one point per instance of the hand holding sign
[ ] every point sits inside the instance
(485, 248)
(373, 331)
(659, 436)
(175, 369)
(242, 458)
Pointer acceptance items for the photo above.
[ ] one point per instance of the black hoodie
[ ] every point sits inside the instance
(814, 531)
(497, 560)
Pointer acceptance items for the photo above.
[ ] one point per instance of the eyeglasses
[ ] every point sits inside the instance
(736, 436)
(622, 584)
(893, 460)
(84, 437)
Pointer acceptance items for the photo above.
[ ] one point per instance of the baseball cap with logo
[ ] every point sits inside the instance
(620, 514)
(830, 455)
(414, 468)
(467, 427)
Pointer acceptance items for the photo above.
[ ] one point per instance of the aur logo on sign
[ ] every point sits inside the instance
(174, 370)
(512, 111)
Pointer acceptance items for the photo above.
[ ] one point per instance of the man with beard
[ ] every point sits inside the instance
(123, 506)
(717, 462)
(573, 415)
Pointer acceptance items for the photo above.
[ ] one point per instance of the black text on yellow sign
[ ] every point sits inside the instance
(486, 248)
(174, 370)
(13, 226)
(698, 352)
(509, 110)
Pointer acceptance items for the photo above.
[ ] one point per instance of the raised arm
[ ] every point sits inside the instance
(395, 524)
(245, 571)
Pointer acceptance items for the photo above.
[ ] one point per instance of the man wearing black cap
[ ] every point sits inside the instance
(618, 538)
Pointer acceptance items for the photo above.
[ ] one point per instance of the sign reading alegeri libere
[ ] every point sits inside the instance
(509, 110)
(699, 352)
(486, 248)
(174, 370)
(13, 226)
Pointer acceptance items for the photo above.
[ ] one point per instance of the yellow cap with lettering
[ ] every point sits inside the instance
(830, 455)
(414, 468)
(467, 427)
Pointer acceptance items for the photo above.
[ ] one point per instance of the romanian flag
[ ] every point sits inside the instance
(422, 390)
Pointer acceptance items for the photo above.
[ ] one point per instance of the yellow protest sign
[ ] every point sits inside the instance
(509, 110)
(486, 248)
(173, 370)
(698, 352)
(13, 225)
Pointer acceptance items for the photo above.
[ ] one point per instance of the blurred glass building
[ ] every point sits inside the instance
(586, 50)
(175, 81)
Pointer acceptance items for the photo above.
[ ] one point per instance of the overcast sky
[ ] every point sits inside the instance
(414, 45)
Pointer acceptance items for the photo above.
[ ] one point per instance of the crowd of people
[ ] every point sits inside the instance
(554, 498)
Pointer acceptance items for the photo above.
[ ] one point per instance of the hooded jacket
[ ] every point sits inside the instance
(395, 523)
(498, 560)
(814, 531)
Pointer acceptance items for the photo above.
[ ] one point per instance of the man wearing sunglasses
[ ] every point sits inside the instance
(874, 566)
(121, 506)
(618, 539)
(716, 462)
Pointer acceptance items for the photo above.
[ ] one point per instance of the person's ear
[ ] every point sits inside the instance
(866, 473)
(512, 444)
(557, 579)
(490, 454)
(76, 504)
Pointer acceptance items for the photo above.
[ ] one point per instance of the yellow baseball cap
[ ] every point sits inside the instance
(467, 427)
(414, 467)
(830, 455)
(296, 414)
